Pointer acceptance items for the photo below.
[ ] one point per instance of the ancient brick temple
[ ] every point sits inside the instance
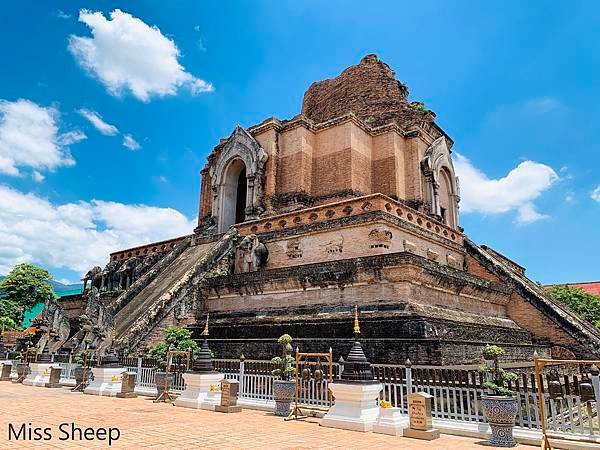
(353, 201)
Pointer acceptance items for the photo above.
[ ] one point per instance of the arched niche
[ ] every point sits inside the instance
(237, 173)
(440, 183)
(234, 194)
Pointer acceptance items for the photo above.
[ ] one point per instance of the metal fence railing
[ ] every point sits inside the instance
(456, 391)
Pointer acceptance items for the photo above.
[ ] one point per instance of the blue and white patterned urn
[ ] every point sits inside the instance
(500, 413)
(283, 393)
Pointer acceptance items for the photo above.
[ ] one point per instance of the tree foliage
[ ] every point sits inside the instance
(582, 303)
(24, 287)
(283, 364)
(6, 323)
(499, 379)
(176, 338)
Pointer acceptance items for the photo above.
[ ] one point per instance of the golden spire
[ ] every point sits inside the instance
(114, 334)
(205, 332)
(356, 325)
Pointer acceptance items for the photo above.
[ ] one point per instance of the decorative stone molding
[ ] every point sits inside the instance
(453, 262)
(409, 247)
(403, 214)
(432, 254)
(335, 246)
(380, 238)
(294, 249)
(240, 145)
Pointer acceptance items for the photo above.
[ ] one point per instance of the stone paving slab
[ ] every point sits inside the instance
(144, 424)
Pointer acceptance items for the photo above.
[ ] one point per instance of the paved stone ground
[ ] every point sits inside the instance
(144, 424)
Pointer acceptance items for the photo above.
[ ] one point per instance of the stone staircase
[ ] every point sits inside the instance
(585, 336)
(174, 284)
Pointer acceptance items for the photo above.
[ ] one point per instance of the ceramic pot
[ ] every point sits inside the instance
(159, 379)
(500, 412)
(82, 373)
(283, 393)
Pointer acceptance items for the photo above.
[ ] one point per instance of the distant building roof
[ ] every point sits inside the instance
(591, 287)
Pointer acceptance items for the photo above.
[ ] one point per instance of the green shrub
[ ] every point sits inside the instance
(283, 364)
(499, 377)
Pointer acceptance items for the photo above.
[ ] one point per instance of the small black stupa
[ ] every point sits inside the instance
(203, 363)
(357, 369)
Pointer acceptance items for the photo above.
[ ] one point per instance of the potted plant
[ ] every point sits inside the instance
(283, 385)
(176, 338)
(82, 372)
(500, 404)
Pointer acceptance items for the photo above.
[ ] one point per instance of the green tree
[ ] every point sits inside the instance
(6, 323)
(24, 287)
(582, 303)
(176, 338)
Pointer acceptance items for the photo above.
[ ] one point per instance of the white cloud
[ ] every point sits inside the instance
(71, 137)
(67, 281)
(131, 143)
(528, 214)
(77, 236)
(29, 137)
(62, 15)
(596, 194)
(96, 120)
(515, 191)
(541, 105)
(37, 177)
(124, 53)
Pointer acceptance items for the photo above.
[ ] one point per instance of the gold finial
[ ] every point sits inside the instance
(114, 334)
(356, 325)
(205, 332)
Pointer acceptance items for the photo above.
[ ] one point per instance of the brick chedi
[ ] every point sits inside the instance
(353, 201)
(369, 90)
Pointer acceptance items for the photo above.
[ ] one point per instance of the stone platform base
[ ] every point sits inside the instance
(107, 381)
(39, 375)
(427, 435)
(199, 391)
(126, 395)
(228, 409)
(391, 422)
(5, 369)
(355, 406)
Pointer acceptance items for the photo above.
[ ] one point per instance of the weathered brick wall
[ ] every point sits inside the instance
(475, 268)
(530, 318)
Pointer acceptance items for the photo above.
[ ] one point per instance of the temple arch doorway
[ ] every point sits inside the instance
(234, 194)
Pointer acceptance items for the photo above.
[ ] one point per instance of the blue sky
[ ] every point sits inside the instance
(513, 83)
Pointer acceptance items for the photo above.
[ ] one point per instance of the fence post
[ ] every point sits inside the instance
(241, 385)
(341, 367)
(408, 376)
(595, 372)
(139, 367)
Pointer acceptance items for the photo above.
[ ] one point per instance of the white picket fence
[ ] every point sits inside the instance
(456, 392)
